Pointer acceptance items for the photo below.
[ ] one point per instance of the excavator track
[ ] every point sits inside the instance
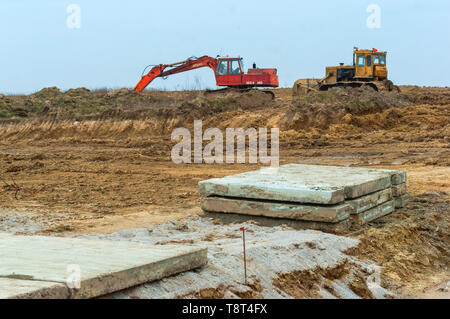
(238, 90)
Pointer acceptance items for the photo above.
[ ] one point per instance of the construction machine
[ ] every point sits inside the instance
(368, 69)
(229, 72)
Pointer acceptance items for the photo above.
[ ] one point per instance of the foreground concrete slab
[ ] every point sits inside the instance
(330, 214)
(366, 202)
(374, 213)
(28, 289)
(315, 184)
(105, 266)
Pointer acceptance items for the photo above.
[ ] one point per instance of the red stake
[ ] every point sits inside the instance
(245, 258)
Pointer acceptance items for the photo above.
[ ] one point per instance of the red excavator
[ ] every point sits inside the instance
(229, 72)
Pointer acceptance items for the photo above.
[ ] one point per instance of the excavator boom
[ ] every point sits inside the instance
(178, 67)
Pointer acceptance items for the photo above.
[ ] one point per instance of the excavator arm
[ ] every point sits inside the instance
(178, 67)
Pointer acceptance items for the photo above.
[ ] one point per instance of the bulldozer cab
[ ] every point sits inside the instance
(369, 64)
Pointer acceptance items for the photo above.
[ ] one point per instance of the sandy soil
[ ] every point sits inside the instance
(106, 173)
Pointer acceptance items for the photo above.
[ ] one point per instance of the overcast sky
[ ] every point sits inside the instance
(117, 39)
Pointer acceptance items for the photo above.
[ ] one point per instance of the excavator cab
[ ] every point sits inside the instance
(229, 71)
(230, 66)
(370, 64)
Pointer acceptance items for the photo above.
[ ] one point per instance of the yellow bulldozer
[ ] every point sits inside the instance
(368, 69)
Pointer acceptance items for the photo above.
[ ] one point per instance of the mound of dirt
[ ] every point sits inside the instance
(211, 104)
(119, 92)
(427, 95)
(312, 120)
(338, 105)
(412, 245)
(79, 92)
(83, 104)
(50, 92)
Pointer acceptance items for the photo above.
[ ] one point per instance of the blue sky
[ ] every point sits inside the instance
(117, 39)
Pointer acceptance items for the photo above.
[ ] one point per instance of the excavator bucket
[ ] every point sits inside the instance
(149, 77)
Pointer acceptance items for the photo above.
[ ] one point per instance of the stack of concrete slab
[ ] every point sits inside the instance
(51, 267)
(317, 195)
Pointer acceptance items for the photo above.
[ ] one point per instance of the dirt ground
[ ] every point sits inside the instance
(75, 171)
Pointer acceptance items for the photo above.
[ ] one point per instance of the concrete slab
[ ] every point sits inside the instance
(397, 177)
(105, 266)
(313, 184)
(374, 213)
(400, 201)
(337, 228)
(28, 289)
(330, 214)
(398, 190)
(366, 202)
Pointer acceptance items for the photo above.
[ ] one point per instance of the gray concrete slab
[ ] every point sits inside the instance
(330, 214)
(315, 184)
(400, 201)
(105, 266)
(398, 190)
(28, 289)
(397, 176)
(366, 202)
(374, 213)
(337, 228)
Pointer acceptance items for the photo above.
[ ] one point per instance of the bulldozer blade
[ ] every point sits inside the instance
(304, 86)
